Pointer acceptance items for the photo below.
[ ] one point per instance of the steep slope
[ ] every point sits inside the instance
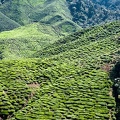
(6, 23)
(67, 15)
(80, 38)
(71, 84)
(92, 12)
(24, 41)
(19, 10)
(50, 12)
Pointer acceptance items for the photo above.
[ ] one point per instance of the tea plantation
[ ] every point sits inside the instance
(68, 80)
(22, 42)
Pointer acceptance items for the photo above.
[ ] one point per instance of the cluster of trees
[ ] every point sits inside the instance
(91, 12)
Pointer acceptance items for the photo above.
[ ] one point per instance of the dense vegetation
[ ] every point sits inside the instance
(53, 12)
(66, 15)
(25, 41)
(68, 80)
(47, 75)
(85, 37)
(91, 12)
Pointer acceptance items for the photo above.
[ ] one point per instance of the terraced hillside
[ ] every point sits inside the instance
(53, 12)
(81, 38)
(65, 82)
(25, 41)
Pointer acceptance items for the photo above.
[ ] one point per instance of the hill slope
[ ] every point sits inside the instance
(25, 41)
(50, 12)
(70, 84)
(67, 15)
(6, 23)
(81, 38)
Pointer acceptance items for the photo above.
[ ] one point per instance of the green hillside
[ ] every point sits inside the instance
(25, 41)
(19, 10)
(70, 80)
(80, 39)
(67, 15)
(6, 23)
(55, 13)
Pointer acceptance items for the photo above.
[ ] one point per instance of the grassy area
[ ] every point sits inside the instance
(19, 10)
(55, 13)
(25, 41)
(65, 82)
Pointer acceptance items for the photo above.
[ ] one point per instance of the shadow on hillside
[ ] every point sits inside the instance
(115, 77)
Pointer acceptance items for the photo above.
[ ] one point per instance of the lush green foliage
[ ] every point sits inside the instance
(92, 12)
(25, 41)
(53, 12)
(66, 15)
(83, 38)
(65, 91)
(67, 82)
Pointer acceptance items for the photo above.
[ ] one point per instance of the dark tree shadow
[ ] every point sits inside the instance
(115, 77)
